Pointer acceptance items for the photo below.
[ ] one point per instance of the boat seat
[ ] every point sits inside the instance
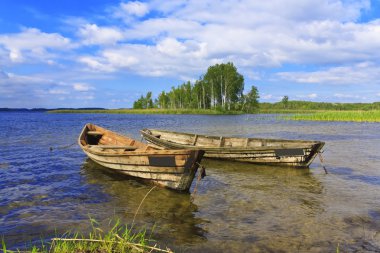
(113, 147)
(94, 133)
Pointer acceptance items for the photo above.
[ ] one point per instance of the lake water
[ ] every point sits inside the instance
(238, 207)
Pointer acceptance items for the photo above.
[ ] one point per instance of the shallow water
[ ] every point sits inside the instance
(238, 207)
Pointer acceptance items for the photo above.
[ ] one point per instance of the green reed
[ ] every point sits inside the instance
(354, 116)
(119, 238)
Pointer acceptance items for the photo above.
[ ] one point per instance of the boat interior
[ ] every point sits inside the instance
(96, 137)
(228, 142)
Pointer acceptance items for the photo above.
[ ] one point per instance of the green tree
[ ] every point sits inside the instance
(163, 100)
(224, 85)
(251, 100)
(140, 103)
(285, 101)
(148, 100)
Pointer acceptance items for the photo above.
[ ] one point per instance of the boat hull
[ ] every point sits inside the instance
(295, 153)
(172, 169)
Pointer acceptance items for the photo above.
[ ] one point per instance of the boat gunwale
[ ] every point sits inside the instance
(307, 144)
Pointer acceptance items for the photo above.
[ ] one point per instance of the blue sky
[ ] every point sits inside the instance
(108, 53)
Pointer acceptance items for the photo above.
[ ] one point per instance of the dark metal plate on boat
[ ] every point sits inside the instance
(162, 161)
(289, 152)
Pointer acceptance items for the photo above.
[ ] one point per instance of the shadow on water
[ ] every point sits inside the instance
(350, 174)
(248, 205)
(170, 213)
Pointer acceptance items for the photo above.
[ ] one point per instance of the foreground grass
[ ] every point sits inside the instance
(151, 111)
(118, 239)
(353, 116)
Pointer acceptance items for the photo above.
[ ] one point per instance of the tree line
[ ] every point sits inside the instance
(221, 88)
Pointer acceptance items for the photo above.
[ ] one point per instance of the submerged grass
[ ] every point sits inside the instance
(353, 116)
(119, 238)
(151, 111)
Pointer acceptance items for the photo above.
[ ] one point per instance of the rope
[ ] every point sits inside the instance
(146, 195)
(201, 174)
(63, 147)
(321, 159)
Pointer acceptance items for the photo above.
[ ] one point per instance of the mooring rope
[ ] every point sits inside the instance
(63, 147)
(321, 159)
(201, 174)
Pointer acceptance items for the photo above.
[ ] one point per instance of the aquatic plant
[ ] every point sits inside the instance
(119, 238)
(354, 116)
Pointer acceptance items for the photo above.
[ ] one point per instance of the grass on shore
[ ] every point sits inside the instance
(151, 111)
(353, 116)
(118, 239)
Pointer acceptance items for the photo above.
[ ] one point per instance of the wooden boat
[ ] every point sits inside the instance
(297, 153)
(173, 169)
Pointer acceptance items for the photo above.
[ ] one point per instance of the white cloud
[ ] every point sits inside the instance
(348, 96)
(58, 92)
(95, 64)
(266, 96)
(309, 96)
(202, 33)
(82, 87)
(313, 95)
(182, 38)
(358, 74)
(171, 47)
(135, 8)
(150, 60)
(32, 44)
(93, 34)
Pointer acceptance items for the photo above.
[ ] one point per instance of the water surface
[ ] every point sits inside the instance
(238, 207)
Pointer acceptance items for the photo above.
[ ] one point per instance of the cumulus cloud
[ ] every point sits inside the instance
(207, 32)
(31, 43)
(92, 34)
(135, 8)
(182, 38)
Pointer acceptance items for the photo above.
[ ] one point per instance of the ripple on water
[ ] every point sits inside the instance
(238, 207)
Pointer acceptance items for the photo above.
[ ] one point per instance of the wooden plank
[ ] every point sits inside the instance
(113, 147)
(94, 133)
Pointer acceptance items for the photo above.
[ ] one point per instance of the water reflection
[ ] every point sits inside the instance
(169, 212)
(249, 205)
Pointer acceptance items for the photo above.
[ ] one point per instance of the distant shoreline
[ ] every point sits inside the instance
(300, 114)
(151, 111)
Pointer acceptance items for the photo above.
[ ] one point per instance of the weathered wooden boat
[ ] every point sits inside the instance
(173, 169)
(297, 153)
